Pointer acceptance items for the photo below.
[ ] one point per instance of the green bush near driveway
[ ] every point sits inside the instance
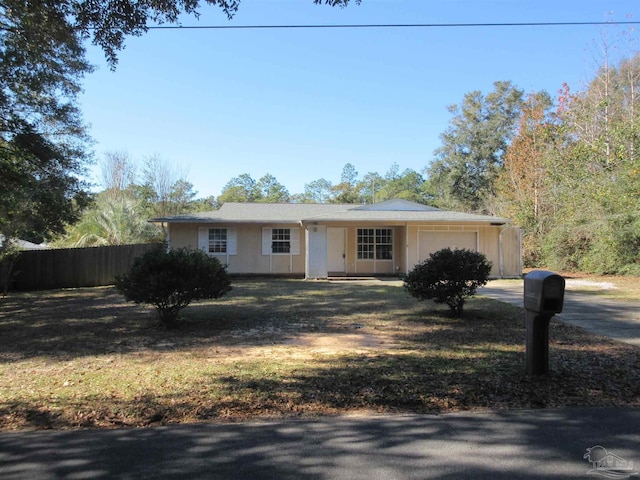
(448, 276)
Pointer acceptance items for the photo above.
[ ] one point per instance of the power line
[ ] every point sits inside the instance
(391, 25)
(377, 25)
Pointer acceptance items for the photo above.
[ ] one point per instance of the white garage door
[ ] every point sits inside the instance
(431, 242)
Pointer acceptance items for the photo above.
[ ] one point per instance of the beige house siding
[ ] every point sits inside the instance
(501, 246)
(511, 245)
(249, 258)
(487, 243)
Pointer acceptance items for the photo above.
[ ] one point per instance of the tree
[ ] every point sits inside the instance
(164, 189)
(317, 191)
(269, 190)
(120, 213)
(245, 189)
(118, 173)
(42, 138)
(111, 222)
(346, 191)
(43, 145)
(9, 254)
(239, 189)
(370, 186)
(467, 164)
(407, 186)
(523, 182)
(593, 171)
(171, 280)
(39, 192)
(182, 197)
(448, 276)
(158, 178)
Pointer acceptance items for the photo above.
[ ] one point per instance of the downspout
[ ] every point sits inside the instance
(406, 243)
(303, 231)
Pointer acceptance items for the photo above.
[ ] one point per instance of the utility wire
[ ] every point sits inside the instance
(376, 25)
(391, 25)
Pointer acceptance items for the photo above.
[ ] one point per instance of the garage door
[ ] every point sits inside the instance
(431, 242)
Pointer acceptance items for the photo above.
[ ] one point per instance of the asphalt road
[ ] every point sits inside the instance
(530, 444)
(611, 318)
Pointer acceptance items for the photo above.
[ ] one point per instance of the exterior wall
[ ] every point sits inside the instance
(249, 258)
(489, 243)
(501, 246)
(511, 246)
(356, 267)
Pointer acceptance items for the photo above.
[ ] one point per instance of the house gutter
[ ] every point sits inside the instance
(500, 253)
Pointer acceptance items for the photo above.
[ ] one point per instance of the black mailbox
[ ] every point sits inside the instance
(543, 292)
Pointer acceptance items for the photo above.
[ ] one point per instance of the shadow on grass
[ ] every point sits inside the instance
(436, 364)
(97, 321)
(428, 381)
(436, 382)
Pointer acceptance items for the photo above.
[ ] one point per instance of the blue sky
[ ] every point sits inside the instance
(299, 104)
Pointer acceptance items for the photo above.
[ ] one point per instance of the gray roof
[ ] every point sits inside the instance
(389, 211)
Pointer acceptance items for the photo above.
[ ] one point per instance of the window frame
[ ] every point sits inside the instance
(374, 243)
(221, 243)
(268, 240)
(204, 240)
(280, 241)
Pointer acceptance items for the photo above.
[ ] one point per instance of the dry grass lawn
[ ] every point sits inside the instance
(84, 358)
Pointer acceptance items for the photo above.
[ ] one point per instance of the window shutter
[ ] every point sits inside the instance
(266, 241)
(232, 241)
(203, 239)
(295, 241)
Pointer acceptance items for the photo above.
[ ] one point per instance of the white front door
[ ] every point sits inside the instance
(336, 250)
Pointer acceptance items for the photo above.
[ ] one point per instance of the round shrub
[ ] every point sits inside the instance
(171, 280)
(448, 276)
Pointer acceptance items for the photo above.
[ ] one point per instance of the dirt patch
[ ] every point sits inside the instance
(340, 343)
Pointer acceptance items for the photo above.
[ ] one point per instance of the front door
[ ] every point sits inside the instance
(336, 251)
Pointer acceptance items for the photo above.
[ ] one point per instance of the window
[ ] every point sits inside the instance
(280, 241)
(375, 243)
(366, 245)
(384, 244)
(217, 241)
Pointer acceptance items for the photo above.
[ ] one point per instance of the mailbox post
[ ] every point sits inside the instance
(543, 298)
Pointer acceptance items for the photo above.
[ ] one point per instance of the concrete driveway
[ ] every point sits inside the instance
(616, 319)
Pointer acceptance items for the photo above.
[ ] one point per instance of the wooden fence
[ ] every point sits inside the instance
(74, 267)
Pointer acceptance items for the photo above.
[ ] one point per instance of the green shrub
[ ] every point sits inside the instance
(171, 280)
(608, 246)
(565, 246)
(448, 276)
(616, 247)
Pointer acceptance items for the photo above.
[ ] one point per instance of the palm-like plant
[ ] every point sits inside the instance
(112, 222)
